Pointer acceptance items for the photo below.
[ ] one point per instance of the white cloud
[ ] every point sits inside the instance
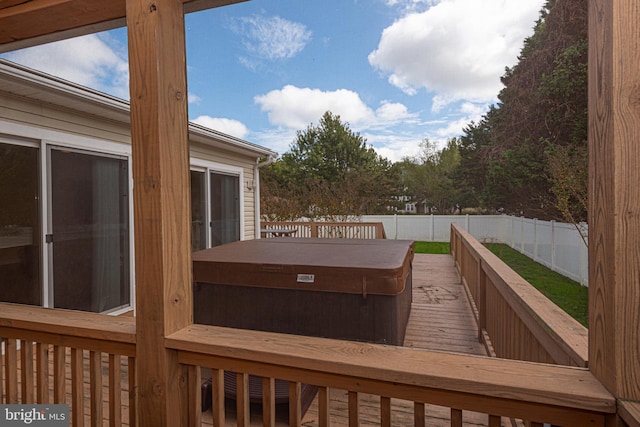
(394, 147)
(457, 49)
(393, 112)
(194, 99)
(271, 38)
(228, 126)
(296, 108)
(88, 60)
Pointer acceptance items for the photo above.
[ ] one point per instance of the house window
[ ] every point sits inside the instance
(89, 234)
(20, 224)
(216, 208)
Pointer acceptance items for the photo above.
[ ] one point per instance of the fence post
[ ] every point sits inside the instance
(395, 226)
(553, 245)
(431, 230)
(584, 255)
(521, 235)
(535, 239)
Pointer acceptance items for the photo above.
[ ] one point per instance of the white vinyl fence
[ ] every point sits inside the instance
(558, 246)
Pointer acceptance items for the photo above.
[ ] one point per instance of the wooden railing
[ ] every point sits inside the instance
(67, 357)
(554, 394)
(515, 321)
(331, 230)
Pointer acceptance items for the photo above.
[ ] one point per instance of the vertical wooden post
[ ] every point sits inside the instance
(159, 133)
(614, 195)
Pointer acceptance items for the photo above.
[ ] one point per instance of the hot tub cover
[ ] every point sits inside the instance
(355, 266)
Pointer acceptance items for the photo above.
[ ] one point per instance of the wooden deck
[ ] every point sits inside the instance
(441, 319)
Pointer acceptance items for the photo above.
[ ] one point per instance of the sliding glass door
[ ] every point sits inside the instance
(225, 208)
(20, 224)
(216, 202)
(198, 210)
(90, 234)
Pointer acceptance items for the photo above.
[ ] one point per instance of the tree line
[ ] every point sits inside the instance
(527, 155)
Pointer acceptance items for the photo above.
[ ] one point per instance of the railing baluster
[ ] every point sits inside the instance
(385, 411)
(77, 402)
(42, 382)
(418, 414)
(59, 374)
(295, 407)
(26, 372)
(11, 370)
(354, 413)
(456, 417)
(115, 390)
(195, 394)
(95, 382)
(217, 397)
(323, 406)
(242, 400)
(133, 412)
(268, 402)
(495, 421)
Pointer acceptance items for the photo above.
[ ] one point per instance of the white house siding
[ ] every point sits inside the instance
(53, 118)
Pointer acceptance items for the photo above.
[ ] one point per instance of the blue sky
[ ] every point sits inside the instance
(397, 71)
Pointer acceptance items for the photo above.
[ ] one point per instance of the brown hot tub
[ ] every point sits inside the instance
(335, 288)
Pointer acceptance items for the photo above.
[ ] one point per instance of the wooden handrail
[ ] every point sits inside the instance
(551, 393)
(91, 331)
(43, 348)
(564, 340)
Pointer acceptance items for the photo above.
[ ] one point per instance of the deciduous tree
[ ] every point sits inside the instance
(329, 172)
(428, 177)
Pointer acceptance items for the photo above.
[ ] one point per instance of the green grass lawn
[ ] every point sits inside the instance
(432, 248)
(564, 292)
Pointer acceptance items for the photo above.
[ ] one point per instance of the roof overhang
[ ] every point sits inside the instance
(25, 23)
(43, 88)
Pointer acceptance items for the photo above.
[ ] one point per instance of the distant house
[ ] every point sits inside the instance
(66, 186)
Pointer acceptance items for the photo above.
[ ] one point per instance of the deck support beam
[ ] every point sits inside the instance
(614, 196)
(160, 152)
